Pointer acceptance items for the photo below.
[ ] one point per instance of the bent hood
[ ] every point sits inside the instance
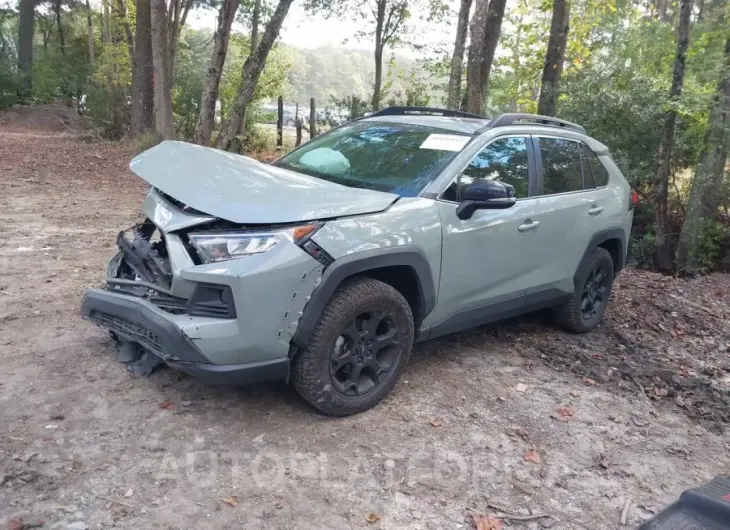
(242, 190)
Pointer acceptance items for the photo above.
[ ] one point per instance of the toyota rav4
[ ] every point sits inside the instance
(325, 267)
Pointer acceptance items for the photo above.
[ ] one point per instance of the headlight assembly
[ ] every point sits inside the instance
(222, 246)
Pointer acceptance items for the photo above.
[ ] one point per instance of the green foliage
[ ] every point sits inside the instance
(8, 60)
(352, 106)
(706, 250)
(145, 141)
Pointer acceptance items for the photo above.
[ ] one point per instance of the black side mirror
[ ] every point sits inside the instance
(485, 194)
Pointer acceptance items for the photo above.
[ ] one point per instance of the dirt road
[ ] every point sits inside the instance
(514, 418)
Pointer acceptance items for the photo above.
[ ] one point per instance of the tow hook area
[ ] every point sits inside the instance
(139, 361)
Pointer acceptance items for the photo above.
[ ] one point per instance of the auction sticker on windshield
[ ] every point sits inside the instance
(445, 142)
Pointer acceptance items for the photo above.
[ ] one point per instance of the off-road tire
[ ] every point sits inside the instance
(311, 366)
(569, 315)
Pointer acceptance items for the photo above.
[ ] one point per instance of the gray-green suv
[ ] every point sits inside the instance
(325, 267)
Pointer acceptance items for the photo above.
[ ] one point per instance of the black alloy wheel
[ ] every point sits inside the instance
(364, 352)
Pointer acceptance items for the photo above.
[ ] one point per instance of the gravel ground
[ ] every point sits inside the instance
(515, 418)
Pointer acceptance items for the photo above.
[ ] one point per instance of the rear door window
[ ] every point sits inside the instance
(561, 165)
(595, 168)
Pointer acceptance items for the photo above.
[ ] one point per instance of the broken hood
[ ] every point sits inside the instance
(242, 190)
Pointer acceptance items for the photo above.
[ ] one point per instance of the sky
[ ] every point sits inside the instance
(305, 31)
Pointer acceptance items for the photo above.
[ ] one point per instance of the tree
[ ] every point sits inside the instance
(177, 15)
(252, 68)
(90, 33)
(123, 17)
(204, 127)
(161, 69)
(61, 39)
(486, 26)
(26, 26)
(707, 185)
(453, 98)
(662, 245)
(143, 108)
(554, 58)
(389, 18)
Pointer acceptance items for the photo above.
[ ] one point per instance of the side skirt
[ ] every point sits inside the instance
(479, 316)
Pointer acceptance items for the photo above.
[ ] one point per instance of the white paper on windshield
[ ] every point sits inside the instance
(445, 142)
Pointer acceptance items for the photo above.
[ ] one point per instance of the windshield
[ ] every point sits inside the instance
(398, 158)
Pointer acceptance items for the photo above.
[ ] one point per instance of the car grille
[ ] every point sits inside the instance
(129, 331)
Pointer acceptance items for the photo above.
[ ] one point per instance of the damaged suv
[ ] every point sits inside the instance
(325, 267)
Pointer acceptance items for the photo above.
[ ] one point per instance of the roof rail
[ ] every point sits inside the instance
(503, 120)
(431, 111)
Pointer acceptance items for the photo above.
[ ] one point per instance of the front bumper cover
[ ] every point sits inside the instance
(134, 321)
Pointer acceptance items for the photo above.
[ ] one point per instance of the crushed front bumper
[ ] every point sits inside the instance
(135, 320)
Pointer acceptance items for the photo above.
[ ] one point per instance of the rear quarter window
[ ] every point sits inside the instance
(595, 167)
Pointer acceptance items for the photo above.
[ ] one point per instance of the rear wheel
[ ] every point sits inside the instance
(586, 306)
(358, 349)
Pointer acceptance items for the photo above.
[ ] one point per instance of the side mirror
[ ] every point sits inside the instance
(485, 194)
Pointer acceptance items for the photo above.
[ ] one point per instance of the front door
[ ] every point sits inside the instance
(487, 260)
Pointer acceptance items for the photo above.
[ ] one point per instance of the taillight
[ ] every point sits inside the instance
(634, 199)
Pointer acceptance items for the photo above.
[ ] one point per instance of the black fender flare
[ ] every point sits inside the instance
(359, 262)
(600, 238)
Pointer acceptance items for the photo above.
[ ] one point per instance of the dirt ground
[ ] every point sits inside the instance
(512, 419)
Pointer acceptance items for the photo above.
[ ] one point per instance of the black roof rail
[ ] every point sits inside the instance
(432, 111)
(503, 120)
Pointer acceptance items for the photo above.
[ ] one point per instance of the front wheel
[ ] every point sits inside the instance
(587, 304)
(358, 349)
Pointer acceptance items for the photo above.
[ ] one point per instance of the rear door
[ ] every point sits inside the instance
(569, 207)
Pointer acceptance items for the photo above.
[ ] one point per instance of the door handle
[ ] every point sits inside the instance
(528, 225)
(595, 210)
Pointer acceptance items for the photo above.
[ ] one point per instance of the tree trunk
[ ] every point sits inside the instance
(554, 58)
(90, 31)
(173, 21)
(251, 73)
(160, 64)
(457, 59)
(476, 48)
(486, 25)
(106, 35)
(707, 185)
(26, 25)
(663, 254)
(495, 15)
(255, 19)
(143, 107)
(312, 119)
(379, 27)
(206, 118)
(61, 39)
(124, 17)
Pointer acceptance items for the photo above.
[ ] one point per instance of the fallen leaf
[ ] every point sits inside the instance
(436, 422)
(565, 411)
(587, 381)
(168, 405)
(372, 518)
(487, 522)
(129, 492)
(660, 392)
(521, 387)
(532, 456)
(231, 501)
